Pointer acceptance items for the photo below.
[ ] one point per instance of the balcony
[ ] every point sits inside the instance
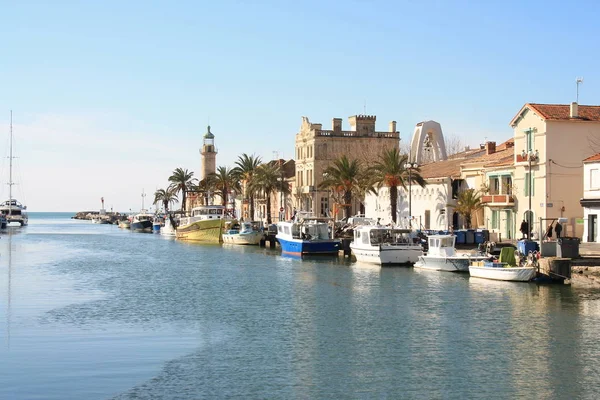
(498, 200)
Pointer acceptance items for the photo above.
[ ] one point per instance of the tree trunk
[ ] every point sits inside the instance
(394, 202)
(268, 208)
(252, 208)
(347, 203)
(468, 221)
(183, 200)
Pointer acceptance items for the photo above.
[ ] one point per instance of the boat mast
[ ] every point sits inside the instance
(143, 195)
(10, 182)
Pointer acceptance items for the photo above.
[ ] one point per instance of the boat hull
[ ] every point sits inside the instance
(208, 231)
(156, 228)
(449, 264)
(141, 226)
(307, 247)
(387, 256)
(252, 238)
(516, 274)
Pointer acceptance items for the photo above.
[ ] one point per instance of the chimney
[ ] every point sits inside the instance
(336, 124)
(510, 144)
(392, 126)
(490, 148)
(574, 110)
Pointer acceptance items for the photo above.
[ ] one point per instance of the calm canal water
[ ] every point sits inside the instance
(94, 312)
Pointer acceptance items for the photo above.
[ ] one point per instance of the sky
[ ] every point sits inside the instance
(110, 97)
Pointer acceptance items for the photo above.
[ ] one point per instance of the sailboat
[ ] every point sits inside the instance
(11, 209)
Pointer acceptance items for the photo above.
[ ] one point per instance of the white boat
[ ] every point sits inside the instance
(11, 209)
(441, 255)
(247, 233)
(502, 272)
(307, 235)
(383, 245)
(506, 269)
(169, 228)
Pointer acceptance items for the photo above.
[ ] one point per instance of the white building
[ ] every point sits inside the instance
(591, 198)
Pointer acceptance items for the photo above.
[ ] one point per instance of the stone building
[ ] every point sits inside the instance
(316, 148)
(208, 154)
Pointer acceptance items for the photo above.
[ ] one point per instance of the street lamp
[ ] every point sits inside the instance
(532, 156)
(410, 166)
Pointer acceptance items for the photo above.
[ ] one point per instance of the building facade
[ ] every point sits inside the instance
(591, 198)
(551, 140)
(316, 148)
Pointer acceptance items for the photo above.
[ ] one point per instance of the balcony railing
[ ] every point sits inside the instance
(498, 199)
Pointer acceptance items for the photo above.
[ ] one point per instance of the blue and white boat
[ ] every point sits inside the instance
(307, 236)
(157, 224)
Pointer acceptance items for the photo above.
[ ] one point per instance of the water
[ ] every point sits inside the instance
(91, 311)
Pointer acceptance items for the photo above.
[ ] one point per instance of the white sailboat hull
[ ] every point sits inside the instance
(517, 274)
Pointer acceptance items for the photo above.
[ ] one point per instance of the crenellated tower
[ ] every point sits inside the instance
(209, 155)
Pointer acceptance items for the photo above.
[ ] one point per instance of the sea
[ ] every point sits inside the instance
(90, 311)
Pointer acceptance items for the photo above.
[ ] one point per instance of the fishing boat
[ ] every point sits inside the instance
(205, 224)
(11, 209)
(142, 222)
(442, 256)
(248, 233)
(381, 245)
(125, 224)
(307, 235)
(505, 269)
(157, 223)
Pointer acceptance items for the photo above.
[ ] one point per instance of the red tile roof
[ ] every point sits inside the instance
(595, 157)
(561, 112)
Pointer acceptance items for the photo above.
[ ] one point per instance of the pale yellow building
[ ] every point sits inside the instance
(316, 148)
(551, 140)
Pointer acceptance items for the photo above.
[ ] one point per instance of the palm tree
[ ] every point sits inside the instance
(468, 202)
(245, 167)
(167, 197)
(267, 179)
(225, 180)
(182, 181)
(343, 177)
(390, 171)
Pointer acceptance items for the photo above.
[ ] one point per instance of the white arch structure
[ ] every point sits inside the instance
(428, 134)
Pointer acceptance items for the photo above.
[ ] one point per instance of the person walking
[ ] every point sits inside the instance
(549, 232)
(558, 229)
(524, 229)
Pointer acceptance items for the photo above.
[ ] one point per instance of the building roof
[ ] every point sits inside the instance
(449, 168)
(209, 134)
(560, 112)
(595, 157)
(504, 155)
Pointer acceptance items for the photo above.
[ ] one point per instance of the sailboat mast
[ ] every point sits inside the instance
(10, 182)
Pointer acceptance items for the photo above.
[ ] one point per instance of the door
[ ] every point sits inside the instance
(592, 222)
(508, 232)
(427, 219)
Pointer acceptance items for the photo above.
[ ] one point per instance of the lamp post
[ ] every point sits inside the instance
(410, 166)
(532, 156)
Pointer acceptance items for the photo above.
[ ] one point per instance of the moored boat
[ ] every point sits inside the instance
(11, 209)
(441, 255)
(125, 224)
(157, 224)
(169, 228)
(383, 245)
(248, 233)
(506, 269)
(307, 236)
(205, 224)
(142, 222)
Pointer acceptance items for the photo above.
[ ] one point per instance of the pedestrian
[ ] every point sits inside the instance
(558, 229)
(549, 232)
(524, 229)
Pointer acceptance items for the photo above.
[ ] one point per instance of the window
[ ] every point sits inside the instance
(324, 206)
(495, 219)
(594, 179)
(529, 181)
(529, 138)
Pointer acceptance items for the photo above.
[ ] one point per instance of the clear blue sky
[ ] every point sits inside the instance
(109, 97)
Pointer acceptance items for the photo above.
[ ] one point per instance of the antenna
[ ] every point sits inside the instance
(275, 155)
(577, 82)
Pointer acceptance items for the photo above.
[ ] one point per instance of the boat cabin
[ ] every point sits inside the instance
(208, 212)
(441, 245)
(376, 236)
(305, 230)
